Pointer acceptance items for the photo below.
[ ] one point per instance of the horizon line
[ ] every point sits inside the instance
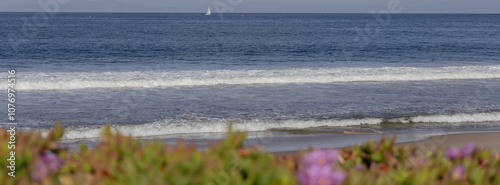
(200, 12)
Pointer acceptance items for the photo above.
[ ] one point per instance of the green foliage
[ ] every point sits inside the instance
(384, 163)
(27, 146)
(120, 159)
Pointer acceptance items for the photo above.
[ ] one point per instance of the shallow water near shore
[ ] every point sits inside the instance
(284, 140)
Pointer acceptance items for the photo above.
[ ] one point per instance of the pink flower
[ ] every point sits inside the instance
(453, 153)
(52, 161)
(338, 177)
(317, 169)
(39, 172)
(458, 173)
(321, 175)
(359, 167)
(49, 163)
(321, 157)
(467, 149)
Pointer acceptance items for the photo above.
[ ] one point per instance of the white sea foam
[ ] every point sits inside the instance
(160, 79)
(457, 118)
(169, 127)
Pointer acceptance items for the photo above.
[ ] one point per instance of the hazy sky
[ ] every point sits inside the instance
(258, 6)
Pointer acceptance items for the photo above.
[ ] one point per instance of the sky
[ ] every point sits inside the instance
(253, 6)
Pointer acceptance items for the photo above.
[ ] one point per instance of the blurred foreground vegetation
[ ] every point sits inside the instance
(120, 159)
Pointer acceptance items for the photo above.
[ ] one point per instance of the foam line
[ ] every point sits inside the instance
(162, 79)
(169, 127)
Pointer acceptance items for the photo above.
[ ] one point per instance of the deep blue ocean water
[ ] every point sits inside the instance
(160, 74)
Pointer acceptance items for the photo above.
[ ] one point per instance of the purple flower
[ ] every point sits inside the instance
(359, 167)
(467, 149)
(321, 157)
(321, 175)
(49, 163)
(52, 161)
(453, 153)
(338, 177)
(458, 173)
(317, 169)
(40, 171)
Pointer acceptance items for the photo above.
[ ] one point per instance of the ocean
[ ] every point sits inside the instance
(180, 75)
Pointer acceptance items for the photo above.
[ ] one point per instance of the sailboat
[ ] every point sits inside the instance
(208, 11)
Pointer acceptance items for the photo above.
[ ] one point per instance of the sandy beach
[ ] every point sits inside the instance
(482, 140)
(489, 140)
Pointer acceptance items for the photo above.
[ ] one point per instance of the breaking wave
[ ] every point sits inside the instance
(170, 127)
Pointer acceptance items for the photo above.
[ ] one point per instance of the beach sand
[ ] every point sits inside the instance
(483, 140)
(287, 143)
(489, 140)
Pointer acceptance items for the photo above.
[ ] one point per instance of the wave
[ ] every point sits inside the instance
(160, 79)
(171, 127)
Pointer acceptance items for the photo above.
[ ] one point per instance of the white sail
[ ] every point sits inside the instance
(208, 11)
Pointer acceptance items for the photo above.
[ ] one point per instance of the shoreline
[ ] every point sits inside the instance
(490, 140)
(285, 143)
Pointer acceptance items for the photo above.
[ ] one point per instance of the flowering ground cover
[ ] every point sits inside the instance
(120, 159)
